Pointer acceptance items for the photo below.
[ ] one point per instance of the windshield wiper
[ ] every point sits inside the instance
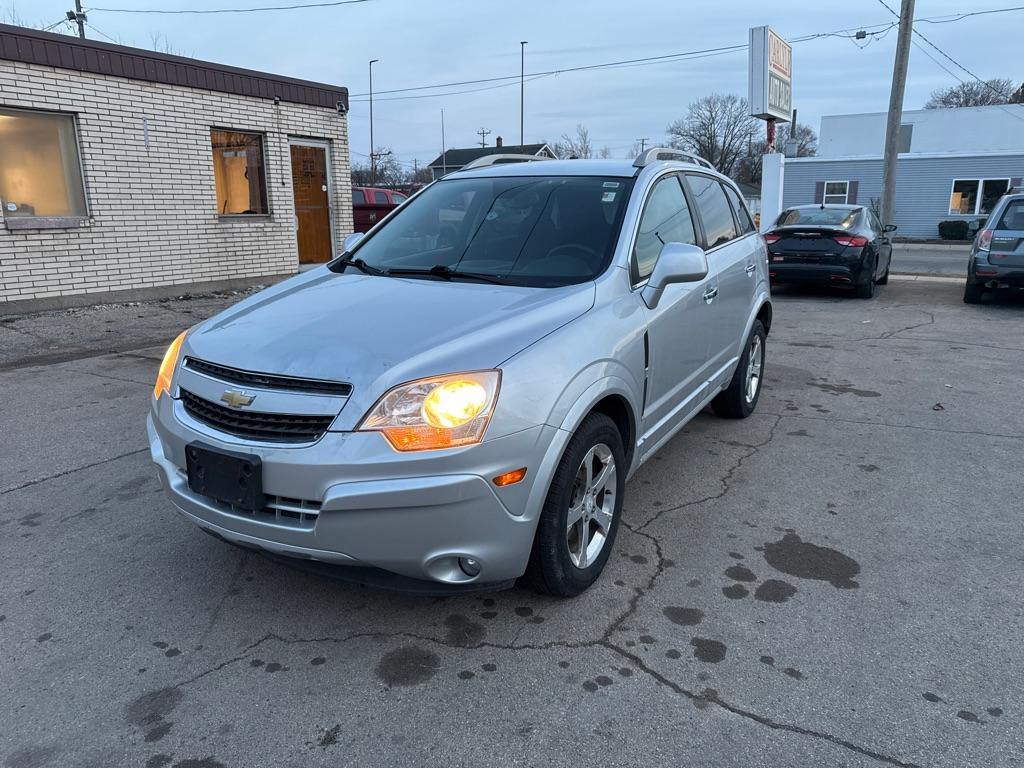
(440, 270)
(359, 264)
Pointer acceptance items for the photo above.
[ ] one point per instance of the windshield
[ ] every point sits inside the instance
(818, 216)
(535, 231)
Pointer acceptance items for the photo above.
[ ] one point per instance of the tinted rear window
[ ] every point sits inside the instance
(1013, 217)
(380, 197)
(715, 211)
(818, 216)
(358, 198)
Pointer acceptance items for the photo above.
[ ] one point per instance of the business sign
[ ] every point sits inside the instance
(770, 76)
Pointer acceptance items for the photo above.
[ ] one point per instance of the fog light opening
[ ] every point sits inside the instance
(509, 478)
(470, 566)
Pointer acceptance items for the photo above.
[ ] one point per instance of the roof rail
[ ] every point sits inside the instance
(649, 156)
(486, 160)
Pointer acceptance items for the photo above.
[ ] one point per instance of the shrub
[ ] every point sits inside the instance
(954, 230)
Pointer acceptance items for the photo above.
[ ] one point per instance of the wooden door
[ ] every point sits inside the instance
(312, 203)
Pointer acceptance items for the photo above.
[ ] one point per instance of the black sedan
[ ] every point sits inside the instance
(840, 245)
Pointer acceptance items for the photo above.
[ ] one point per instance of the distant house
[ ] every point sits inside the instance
(453, 159)
(952, 164)
(752, 195)
(126, 169)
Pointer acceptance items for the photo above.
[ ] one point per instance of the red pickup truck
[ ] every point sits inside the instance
(371, 204)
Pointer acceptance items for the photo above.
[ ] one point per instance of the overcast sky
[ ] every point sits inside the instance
(423, 42)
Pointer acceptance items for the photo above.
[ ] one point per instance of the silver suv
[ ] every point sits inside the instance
(458, 400)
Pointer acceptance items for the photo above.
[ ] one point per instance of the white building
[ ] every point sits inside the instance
(125, 169)
(954, 164)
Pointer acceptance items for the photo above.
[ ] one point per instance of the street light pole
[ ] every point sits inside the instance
(373, 159)
(522, 90)
(892, 126)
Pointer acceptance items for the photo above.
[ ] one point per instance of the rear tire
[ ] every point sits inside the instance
(867, 289)
(973, 293)
(739, 399)
(566, 559)
(884, 279)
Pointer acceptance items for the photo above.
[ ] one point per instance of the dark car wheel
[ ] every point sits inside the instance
(738, 400)
(577, 526)
(866, 290)
(884, 279)
(973, 293)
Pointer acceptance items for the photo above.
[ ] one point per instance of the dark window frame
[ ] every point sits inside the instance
(264, 168)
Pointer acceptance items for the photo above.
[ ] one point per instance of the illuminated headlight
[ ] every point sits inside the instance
(167, 366)
(439, 412)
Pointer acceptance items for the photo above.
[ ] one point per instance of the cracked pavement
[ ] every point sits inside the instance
(834, 581)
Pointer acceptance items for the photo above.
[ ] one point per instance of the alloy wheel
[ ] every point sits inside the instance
(591, 506)
(755, 360)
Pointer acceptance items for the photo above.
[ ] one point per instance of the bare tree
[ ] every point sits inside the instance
(13, 17)
(718, 127)
(748, 169)
(1018, 95)
(574, 146)
(998, 90)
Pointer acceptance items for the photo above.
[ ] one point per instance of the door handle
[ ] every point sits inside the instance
(709, 294)
(750, 269)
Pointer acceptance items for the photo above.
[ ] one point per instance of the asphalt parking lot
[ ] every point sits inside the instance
(835, 581)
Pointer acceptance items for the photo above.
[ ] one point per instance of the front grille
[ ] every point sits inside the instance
(271, 427)
(269, 380)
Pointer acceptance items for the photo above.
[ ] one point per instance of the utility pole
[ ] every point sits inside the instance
(483, 133)
(78, 17)
(373, 160)
(522, 90)
(892, 126)
(643, 144)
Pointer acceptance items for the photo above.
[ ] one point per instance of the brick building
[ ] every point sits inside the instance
(123, 169)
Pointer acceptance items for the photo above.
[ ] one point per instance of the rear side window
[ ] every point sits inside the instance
(742, 215)
(397, 198)
(666, 219)
(715, 211)
(380, 196)
(1013, 217)
(358, 198)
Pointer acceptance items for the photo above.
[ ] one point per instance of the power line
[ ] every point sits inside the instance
(230, 10)
(961, 16)
(996, 91)
(94, 28)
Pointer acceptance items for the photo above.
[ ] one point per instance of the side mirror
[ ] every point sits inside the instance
(351, 240)
(889, 228)
(677, 263)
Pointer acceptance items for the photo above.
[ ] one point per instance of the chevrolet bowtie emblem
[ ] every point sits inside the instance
(237, 399)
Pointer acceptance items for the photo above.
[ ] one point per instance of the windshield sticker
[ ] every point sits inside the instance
(607, 197)
(611, 185)
(491, 216)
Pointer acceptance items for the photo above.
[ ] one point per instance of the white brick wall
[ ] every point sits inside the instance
(153, 212)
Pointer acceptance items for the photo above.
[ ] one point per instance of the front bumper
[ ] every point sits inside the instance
(412, 514)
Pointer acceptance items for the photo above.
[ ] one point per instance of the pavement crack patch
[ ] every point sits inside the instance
(725, 480)
(897, 426)
(709, 696)
(66, 472)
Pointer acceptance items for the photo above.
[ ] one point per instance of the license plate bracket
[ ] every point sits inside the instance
(229, 477)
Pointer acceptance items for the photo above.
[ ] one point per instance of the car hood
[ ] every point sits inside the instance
(377, 332)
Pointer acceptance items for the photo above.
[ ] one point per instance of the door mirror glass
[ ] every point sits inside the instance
(677, 263)
(351, 240)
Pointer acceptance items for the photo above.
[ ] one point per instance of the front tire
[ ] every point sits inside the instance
(580, 518)
(739, 399)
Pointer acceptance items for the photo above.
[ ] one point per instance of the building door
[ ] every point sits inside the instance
(312, 202)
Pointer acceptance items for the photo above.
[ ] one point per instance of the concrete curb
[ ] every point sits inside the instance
(926, 278)
(948, 247)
